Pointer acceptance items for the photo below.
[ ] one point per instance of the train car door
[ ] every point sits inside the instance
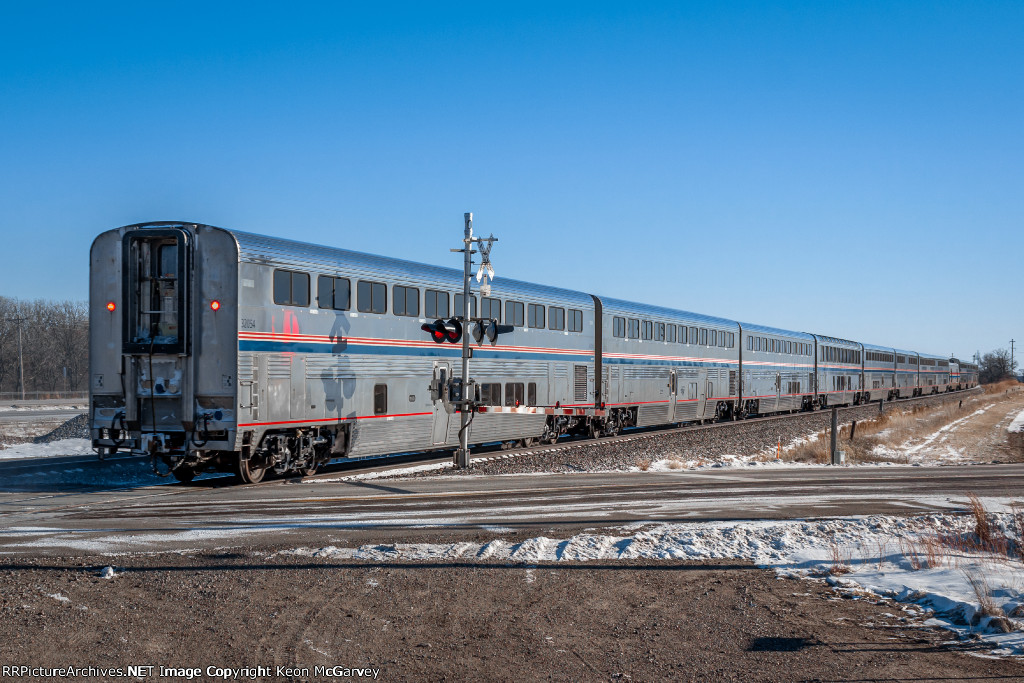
(442, 373)
(672, 391)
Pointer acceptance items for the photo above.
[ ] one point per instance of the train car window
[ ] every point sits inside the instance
(333, 292)
(703, 336)
(670, 332)
(634, 328)
(291, 288)
(575, 320)
(514, 314)
(514, 394)
(380, 399)
(405, 301)
(556, 318)
(535, 315)
(459, 303)
(490, 394)
(531, 394)
(659, 332)
(732, 340)
(371, 297)
(750, 343)
(618, 327)
(490, 308)
(692, 337)
(435, 304)
(647, 331)
(722, 339)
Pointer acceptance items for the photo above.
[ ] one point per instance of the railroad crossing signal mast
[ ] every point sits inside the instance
(486, 272)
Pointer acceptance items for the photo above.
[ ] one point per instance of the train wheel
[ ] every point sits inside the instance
(247, 474)
(528, 443)
(184, 474)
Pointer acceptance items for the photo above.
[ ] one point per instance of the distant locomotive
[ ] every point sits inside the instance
(213, 349)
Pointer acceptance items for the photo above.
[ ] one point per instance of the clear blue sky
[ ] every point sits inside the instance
(853, 169)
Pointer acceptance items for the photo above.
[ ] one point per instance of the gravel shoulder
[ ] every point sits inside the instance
(454, 621)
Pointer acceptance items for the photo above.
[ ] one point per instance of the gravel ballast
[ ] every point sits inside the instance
(710, 443)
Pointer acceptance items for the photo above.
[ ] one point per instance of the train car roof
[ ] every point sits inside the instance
(837, 340)
(875, 347)
(647, 310)
(303, 254)
(764, 329)
(905, 352)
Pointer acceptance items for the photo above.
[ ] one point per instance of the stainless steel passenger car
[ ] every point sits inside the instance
(907, 376)
(662, 366)
(879, 372)
(839, 372)
(235, 351)
(934, 374)
(778, 370)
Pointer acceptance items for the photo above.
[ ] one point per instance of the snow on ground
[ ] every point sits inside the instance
(62, 447)
(879, 554)
(1017, 426)
(395, 471)
(42, 406)
(933, 448)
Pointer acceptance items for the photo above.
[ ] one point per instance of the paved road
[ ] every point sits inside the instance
(39, 414)
(209, 514)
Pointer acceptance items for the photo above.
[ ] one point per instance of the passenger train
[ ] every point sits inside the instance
(213, 349)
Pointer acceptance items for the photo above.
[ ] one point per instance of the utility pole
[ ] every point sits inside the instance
(486, 271)
(21, 364)
(1011, 358)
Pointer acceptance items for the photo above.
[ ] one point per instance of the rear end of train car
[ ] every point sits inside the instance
(162, 295)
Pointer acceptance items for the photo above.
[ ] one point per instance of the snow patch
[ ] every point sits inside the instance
(1017, 426)
(54, 449)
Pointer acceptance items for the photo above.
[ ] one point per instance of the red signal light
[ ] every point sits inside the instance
(453, 330)
(214, 305)
(436, 330)
(111, 306)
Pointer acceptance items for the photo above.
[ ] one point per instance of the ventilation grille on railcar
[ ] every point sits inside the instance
(580, 382)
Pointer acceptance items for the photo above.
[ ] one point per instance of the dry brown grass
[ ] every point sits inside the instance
(896, 427)
(841, 559)
(644, 464)
(924, 553)
(983, 591)
(1007, 385)
(982, 528)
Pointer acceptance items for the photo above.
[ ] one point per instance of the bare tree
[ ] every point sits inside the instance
(55, 342)
(997, 366)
